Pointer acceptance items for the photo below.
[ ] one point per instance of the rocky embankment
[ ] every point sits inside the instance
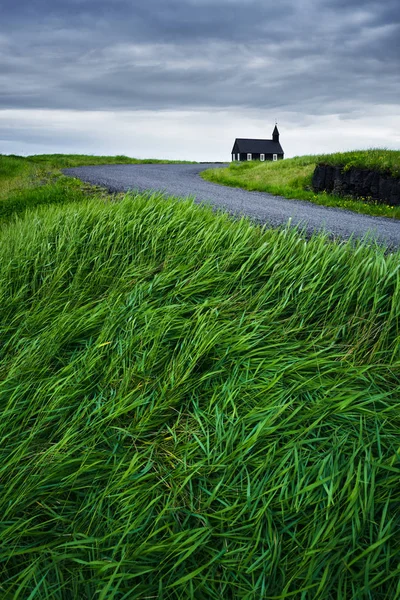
(358, 183)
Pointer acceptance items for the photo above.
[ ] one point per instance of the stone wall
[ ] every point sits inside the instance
(358, 183)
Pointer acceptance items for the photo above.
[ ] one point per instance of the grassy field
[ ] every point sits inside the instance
(377, 159)
(195, 407)
(291, 178)
(26, 182)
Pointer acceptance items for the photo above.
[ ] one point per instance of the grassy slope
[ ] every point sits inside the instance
(17, 172)
(28, 182)
(292, 178)
(377, 159)
(63, 161)
(194, 407)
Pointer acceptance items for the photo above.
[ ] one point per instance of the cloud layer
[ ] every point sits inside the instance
(316, 57)
(308, 56)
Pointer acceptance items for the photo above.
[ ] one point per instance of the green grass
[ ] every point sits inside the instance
(12, 165)
(195, 407)
(291, 178)
(28, 182)
(25, 185)
(63, 161)
(377, 159)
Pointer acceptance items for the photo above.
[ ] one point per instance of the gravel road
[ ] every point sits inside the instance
(184, 181)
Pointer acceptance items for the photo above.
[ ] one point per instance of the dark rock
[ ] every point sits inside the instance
(358, 183)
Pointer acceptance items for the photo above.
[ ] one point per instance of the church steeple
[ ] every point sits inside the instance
(275, 134)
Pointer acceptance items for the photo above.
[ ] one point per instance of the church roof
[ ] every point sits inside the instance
(257, 146)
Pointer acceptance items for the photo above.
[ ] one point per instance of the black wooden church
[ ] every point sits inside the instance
(244, 149)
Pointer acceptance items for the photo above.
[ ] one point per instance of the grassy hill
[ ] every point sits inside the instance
(30, 181)
(291, 177)
(194, 407)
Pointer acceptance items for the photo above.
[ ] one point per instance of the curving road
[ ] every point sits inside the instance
(184, 181)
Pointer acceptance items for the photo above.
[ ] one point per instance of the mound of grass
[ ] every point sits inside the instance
(60, 192)
(16, 173)
(292, 177)
(64, 161)
(25, 185)
(376, 159)
(27, 182)
(194, 407)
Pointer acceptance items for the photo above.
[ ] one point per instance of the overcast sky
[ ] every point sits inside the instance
(182, 79)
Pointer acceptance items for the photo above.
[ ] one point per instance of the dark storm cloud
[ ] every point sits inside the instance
(315, 56)
(154, 20)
